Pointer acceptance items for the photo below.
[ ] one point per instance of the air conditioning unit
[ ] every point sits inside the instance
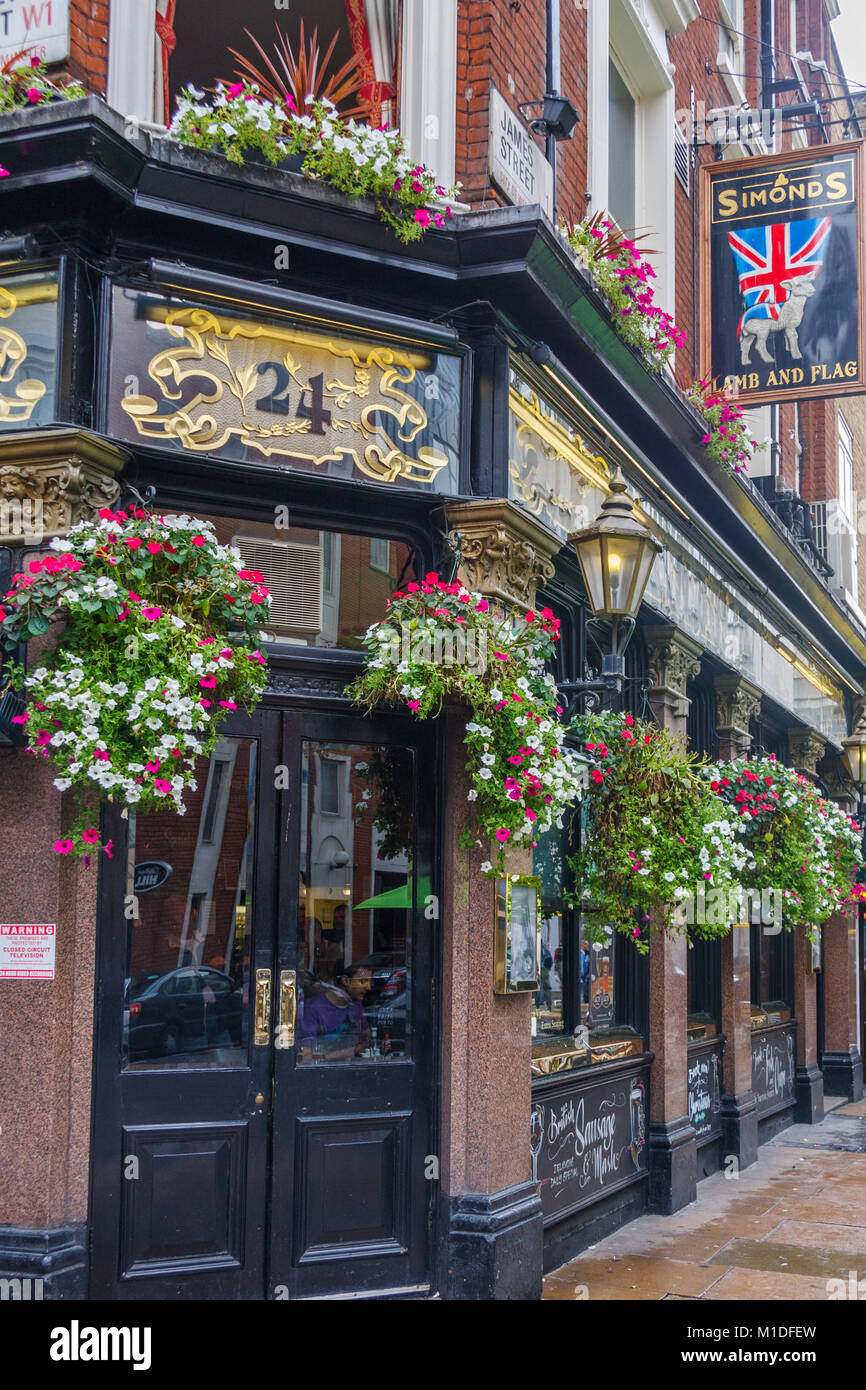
(293, 574)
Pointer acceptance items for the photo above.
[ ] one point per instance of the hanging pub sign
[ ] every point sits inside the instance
(782, 275)
(320, 399)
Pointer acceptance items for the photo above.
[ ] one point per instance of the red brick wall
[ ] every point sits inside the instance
(504, 44)
(88, 35)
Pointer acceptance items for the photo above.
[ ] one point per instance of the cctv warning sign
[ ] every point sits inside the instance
(27, 950)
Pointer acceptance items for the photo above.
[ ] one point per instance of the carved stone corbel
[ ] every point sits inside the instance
(738, 702)
(51, 479)
(673, 660)
(806, 747)
(503, 552)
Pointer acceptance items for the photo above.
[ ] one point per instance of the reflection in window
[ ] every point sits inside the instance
(622, 137)
(772, 971)
(186, 998)
(357, 894)
(548, 1018)
(327, 587)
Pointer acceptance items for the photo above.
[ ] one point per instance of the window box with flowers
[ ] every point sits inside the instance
(358, 160)
(623, 275)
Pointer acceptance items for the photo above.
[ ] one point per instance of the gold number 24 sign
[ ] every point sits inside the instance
(284, 390)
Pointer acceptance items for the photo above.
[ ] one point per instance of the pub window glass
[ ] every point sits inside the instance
(772, 974)
(327, 587)
(186, 996)
(552, 1009)
(704, 988)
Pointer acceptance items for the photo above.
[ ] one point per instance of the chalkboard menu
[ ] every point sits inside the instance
(587, 1141)
(773, 1064)
(705, 1091)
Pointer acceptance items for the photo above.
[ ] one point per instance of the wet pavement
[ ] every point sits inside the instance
(780, 1230)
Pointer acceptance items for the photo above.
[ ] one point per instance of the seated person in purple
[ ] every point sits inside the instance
(334, 1019)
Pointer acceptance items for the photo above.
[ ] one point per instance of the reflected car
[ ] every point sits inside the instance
(181, 1011)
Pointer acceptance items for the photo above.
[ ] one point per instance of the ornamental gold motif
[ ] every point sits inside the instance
(17, 409)
(230, 378)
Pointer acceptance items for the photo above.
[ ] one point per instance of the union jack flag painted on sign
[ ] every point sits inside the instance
(768, 256)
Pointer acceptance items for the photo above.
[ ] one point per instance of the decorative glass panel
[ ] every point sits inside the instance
(356, 901)
(28, 349)
(258, 387)
(189, 885)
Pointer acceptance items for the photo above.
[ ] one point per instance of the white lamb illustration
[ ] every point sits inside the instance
(790, 317)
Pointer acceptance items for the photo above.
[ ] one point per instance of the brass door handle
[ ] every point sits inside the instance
(288, 1008)
(262, 1032)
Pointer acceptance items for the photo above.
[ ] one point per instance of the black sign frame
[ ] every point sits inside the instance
(774, 1050)
(589, 1138)
(830, 333)
(704, 1084)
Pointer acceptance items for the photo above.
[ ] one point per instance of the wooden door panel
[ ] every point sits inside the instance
(353, 1186)
(181, 1122)
(183, 1210)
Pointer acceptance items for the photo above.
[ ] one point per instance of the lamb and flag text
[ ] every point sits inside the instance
(782, 312)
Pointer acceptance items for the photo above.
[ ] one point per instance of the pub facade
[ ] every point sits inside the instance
(249, 348)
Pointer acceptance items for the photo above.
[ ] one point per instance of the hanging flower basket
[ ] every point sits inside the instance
(801, 846)
(442, 644)
(657, 846)
(159, 647)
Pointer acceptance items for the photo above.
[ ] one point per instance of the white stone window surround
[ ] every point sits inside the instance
(428, 78)
(132, 59)
(634, 34)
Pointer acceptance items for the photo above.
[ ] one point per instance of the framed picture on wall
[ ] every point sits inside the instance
(516, 936)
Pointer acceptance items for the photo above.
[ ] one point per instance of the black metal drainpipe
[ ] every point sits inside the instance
(768, 53)
(552, 78)
(768, 102)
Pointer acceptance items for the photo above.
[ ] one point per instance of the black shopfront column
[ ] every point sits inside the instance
(673, 659)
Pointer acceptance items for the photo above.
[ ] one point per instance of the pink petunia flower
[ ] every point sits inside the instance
(62, 846)
(91, 836)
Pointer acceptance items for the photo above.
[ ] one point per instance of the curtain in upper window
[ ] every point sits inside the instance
(374, 29)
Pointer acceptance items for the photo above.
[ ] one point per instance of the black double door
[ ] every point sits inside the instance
(263, 1101)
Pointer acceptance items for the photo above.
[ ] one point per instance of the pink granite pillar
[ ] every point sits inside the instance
(841, 1063)
(739, 1111)
(494, 1244)
(47, 1031)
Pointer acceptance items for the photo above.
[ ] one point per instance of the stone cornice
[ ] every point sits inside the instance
(51, 479)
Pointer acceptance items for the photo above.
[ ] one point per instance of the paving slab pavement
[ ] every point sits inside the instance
(781, 1229)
